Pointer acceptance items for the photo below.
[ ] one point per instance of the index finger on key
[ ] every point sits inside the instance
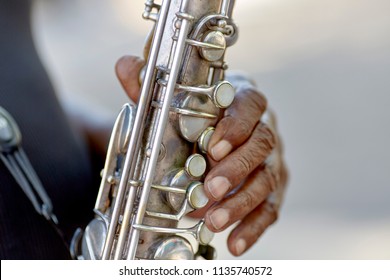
(238, 123)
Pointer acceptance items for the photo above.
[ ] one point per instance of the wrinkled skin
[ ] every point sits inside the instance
(248, 176)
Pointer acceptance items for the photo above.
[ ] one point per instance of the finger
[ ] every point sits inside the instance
(238, 165)
(251, 228)
(253, 192)
(201, 213)
(128, 70)
(238, 123)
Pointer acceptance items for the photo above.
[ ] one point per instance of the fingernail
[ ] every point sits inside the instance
(219, 218)
(221, 150)
(218, 186)
(240, 246)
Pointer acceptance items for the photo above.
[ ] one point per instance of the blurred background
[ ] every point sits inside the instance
(324, 67)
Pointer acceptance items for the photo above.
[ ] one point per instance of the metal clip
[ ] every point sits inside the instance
(15, 159)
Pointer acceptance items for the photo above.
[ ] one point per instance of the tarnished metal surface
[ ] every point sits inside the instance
(154, 165)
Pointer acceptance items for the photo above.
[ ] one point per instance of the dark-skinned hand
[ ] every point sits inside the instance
(247, 178)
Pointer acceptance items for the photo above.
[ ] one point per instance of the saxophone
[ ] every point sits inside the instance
(156, 160)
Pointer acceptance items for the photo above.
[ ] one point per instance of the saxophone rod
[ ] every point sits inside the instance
(162, 122)
(138, 128)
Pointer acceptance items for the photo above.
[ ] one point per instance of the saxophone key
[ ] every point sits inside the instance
(204, 139)
(215, 38)
(222, 94)
(195, 165)
(200, 231)
(196, 195)
(173, 248)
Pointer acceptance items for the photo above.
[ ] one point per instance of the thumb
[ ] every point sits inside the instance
(128, 70)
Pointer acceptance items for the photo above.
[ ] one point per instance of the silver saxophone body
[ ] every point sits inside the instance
(156, 157)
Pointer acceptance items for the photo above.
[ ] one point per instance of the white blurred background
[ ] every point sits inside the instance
(324, 67)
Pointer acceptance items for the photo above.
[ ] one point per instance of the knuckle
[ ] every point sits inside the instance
(265, 137)
(120, 66)
(262, 102)
(270, 179)
(272, 212)
(247, 200)
(249, 102)
(225, 122)
(237, 130)
(244, 128)
(224, 125)
(127, 67)
(122, 59)
(127, 60)
(244, 165)
(258, 99)
(258, 228)
(235, 125)
(268, 216)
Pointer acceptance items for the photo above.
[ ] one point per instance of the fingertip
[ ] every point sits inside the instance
(215, 138)
(218, 219)
(126, 64)
(221, 150)
(240, 247)
(237, 245)
(218, 145)
(218, 187)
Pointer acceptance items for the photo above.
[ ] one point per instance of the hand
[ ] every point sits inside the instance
(248, 175)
